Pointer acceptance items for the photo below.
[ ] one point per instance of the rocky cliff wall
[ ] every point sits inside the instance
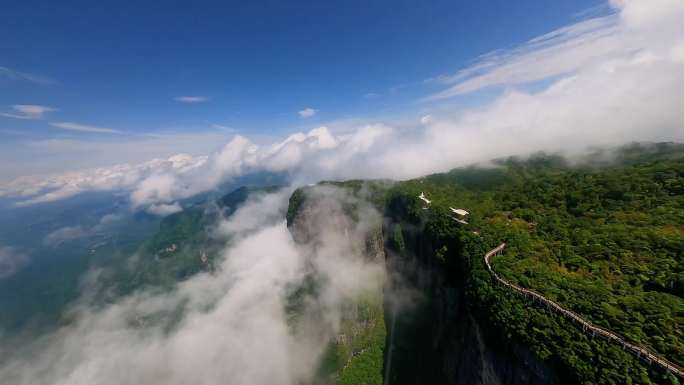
(433, 336)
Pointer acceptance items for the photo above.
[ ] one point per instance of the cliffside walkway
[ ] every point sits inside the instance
(591, 330)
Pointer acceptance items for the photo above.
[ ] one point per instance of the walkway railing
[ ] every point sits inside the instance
(590, 329)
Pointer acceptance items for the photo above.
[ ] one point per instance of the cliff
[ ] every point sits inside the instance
(338, 230)
(431, 332)
(603, 239)
(440, 336)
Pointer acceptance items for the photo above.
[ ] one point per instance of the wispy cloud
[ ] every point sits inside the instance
(191, 99)
(64, 234)
(221, 127)
(84, 128)
(28, 111)
(235, 315)
(559, 52)
(307, 112)
(11, 261)
(25, 76)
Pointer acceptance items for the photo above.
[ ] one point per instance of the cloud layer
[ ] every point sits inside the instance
(606, 81)
(232, 326)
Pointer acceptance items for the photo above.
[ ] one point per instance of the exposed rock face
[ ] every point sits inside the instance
(437, 339)
(328, 214)
(431, 333)
(474, 356)
(342, 237)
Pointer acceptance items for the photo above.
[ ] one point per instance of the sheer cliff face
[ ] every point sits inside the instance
(437, 338)
(329, 215)
(341, 236)
(432, 337)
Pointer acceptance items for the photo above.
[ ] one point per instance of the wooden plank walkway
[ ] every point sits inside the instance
(587, 327)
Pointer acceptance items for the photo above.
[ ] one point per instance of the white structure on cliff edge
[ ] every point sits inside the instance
(424, 199)
(460, 215)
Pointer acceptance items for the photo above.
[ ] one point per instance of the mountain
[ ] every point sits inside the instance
(98, 233)
(391, 275)
(185, 244)
(60, 241)
(601, 235)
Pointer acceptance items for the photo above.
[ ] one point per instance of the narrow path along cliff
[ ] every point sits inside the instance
(590, 329)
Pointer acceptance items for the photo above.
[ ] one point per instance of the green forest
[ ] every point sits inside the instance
(603, 236)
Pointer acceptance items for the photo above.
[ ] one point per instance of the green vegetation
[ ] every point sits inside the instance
(183, 246)
(355, 355)
(361, 347)
(33, 299)
(294, 205)
(606, 242)
(371, 191)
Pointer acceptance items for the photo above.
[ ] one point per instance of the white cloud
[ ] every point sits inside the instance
(608, 96)
(25, 76)
(307, 112)
(426, 119)
(259, 211)
(64, 234)
(289, 153)
(126, 177)
(222, 127)
(557, 53)
(637, 25)
(162, 209)
(84, 128)
(70, 233)
(232, 324)
(645, 14)
(11, 261)
(55, 155)
(107, 221)
(191, 99)
(28, 111)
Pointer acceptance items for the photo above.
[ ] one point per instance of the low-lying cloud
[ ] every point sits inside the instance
(64, 234)
(70, 233)
(11, 261)
(233, 326)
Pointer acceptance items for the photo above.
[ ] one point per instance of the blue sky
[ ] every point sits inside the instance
(121, 65)
(320, 90)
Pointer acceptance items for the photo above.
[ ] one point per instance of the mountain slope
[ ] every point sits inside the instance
(602, 235)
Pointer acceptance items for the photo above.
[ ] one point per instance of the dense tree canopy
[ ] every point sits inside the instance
(604, 237)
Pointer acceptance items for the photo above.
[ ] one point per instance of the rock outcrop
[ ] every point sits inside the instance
(433, 335)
